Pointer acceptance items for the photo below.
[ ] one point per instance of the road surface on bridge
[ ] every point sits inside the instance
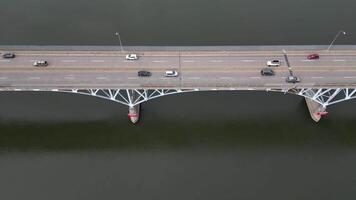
(197, 69)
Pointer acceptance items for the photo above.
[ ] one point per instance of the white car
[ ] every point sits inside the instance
(273, 63)
(171, 74)
(40, 63)
(131, 57)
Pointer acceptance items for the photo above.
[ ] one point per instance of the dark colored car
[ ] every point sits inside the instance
(143, 73)
(267, 72)
(8, 55)
(313, 56)
(292, 79)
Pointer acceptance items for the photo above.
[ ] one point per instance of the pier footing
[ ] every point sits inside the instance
(315, 109)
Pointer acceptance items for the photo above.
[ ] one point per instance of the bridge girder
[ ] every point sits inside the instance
(133, 97)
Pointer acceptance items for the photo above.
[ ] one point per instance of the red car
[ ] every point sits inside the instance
(313, 56)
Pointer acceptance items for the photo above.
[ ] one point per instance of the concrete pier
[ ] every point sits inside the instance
(134, 113)
(315, 109)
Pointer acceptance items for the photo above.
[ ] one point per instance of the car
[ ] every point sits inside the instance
(131, 56)
(8, 55)
(267, 72)
(273, 63)
(144, 73)
(171, 73)
(313, 56)
(292, 79)
(40, 63)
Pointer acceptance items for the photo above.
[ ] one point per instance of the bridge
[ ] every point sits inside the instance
(105, 72)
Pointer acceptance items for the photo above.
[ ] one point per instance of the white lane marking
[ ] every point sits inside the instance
(163, 78)
(34, 78)
(338, 60)
(159, 61)
(97, 61)
(132, 77)
(350, 77)
(225, 78)
(4, 77)
(273, 84)
(4, 60)
(283, 77)
(69, 77)
(102, 78)
(215, 61)
(307, 60)
(247, 60)
(317, 77)
(255, 77)
(68, 61)
(188, 61)
(194, 78)
(35, 89)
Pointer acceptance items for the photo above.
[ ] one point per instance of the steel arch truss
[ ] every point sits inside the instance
(129, 97)
(326, 97)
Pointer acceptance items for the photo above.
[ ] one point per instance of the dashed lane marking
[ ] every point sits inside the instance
(194, 78)
(349, 77)
(215, 61)
(97, 61)
(69, 61)
(338, 60)
(102, 78)
(316, 77)
(159, 61)
(247, 60)
(34, 78)
(188, 61)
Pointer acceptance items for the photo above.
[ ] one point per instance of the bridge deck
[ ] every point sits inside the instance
(198, 69)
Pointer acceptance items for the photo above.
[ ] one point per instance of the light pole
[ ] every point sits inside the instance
(336, 36)
(118, 35)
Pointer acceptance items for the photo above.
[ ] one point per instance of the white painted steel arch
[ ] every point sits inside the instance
(326, 97)
(129, 97)
(133, 97)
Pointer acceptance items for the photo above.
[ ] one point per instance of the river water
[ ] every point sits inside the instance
(205, 145)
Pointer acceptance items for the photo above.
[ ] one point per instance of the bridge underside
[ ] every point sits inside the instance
(317, 98)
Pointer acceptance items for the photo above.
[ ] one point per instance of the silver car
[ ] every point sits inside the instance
(292, 79)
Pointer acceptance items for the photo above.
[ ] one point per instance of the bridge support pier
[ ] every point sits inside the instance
(134, 113)
(315, 109)
(134, 110)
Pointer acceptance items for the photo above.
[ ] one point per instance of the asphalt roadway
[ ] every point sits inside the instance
(197, 69)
